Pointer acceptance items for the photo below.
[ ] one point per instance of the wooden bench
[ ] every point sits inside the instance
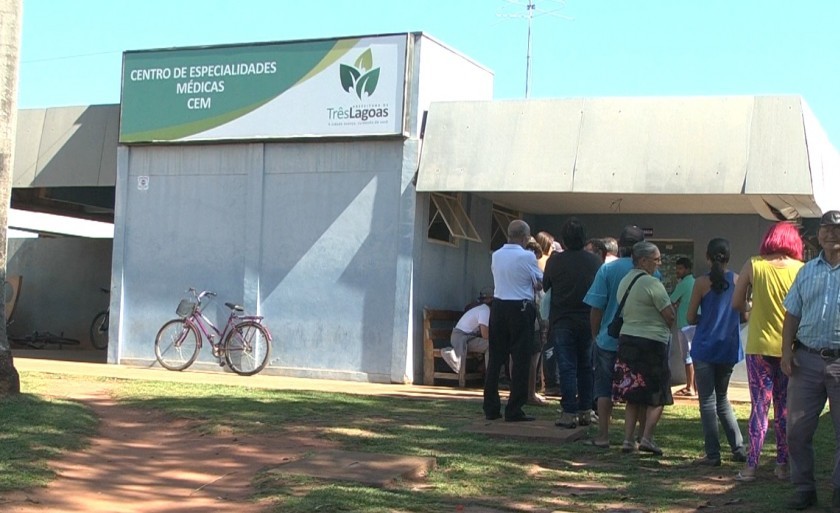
(437, 330)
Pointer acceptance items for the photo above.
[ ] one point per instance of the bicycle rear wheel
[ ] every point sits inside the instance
(176, 345)
(99, 330)
(247, 348)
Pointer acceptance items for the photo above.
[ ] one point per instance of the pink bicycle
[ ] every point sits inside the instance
(244, 341)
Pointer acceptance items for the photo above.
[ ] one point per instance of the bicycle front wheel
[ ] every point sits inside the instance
(247, 348)
(176, 345)
(99, 330)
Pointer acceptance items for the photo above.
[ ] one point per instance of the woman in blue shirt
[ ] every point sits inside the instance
(715, 350)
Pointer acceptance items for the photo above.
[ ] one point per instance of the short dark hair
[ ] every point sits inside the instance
(573, 234)
(599, 246)
(684, 262)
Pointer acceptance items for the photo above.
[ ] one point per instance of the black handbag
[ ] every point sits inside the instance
(614, 328)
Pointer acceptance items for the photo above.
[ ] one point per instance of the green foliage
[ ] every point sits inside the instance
(34, 431)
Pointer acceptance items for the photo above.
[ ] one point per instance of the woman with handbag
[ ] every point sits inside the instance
(642, 376)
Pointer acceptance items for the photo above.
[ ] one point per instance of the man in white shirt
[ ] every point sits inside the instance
(516, 277)
(470, 334)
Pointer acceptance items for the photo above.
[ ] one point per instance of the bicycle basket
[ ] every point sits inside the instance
(185, 308)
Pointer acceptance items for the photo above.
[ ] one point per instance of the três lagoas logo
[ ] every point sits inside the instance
(362, 77)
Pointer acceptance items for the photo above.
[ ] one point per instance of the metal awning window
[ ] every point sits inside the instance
(448, 222)
(502, 217)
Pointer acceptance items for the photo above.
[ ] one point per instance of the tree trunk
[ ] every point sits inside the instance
(10, 33)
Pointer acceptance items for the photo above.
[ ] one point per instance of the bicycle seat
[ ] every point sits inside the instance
(234, 307)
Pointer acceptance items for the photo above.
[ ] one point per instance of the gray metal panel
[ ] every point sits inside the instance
(187, 229)
(663, 145)
(194, 160)
(30, 126)
(330, 255)
(778, 150)
(336, 157)
(500, 146)
(108, 164)
(72, 146)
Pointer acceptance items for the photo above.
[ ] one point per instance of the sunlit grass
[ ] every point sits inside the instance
(35, 430)
(471, 469)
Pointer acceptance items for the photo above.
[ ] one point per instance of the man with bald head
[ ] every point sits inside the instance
(512, 315)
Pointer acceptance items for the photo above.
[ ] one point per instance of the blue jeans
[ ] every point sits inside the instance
(712, 388)
(573, 351)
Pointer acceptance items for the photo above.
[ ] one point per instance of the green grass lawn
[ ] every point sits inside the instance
(34, 430)
(472, 469)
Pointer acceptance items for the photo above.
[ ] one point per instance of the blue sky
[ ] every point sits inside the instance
(72, 50)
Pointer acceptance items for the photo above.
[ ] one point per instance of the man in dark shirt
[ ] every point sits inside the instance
(569, 275)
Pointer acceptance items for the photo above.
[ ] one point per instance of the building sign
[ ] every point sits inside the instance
(336, 87)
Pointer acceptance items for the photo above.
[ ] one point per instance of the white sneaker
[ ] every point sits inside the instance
(451, 359)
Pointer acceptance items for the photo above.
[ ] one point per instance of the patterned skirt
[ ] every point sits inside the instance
(642, 375)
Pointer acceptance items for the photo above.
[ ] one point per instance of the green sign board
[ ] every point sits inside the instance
(338, 87)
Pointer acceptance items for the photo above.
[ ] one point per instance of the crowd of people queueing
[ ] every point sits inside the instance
(600, 308)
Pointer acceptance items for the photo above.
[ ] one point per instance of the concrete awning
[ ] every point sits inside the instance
(67, 147)
(721, 155)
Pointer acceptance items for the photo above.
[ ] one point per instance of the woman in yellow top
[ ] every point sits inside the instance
(761, 288)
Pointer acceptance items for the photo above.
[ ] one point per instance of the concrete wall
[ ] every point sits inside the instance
(60, 288)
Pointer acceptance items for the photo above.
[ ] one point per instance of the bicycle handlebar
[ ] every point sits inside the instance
(199, 296)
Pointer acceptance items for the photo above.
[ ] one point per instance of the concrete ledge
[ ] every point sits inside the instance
(536, 430)
(378, 470)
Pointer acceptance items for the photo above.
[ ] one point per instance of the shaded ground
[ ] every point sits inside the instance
(146, 462)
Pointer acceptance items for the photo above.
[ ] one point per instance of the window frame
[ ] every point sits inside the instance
(448, 207)
(502, 217)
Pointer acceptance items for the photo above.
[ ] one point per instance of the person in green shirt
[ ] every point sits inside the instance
(680, 298)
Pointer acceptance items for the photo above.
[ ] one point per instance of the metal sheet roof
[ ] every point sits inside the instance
(739, 154)
(67, 147)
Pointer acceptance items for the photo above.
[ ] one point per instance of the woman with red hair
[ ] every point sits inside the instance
(760, 290)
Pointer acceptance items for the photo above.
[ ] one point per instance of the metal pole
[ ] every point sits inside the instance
(531, 8)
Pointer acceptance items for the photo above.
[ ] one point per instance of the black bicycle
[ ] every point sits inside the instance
(99, 327)
(43, 339)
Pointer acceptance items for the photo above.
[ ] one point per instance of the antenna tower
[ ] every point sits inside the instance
(531, 11)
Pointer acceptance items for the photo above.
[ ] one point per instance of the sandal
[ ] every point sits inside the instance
(595, 443)
(685, 393)
(628, 446)
(746, 476)
(648, 446)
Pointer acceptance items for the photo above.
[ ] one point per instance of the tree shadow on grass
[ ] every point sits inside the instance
(473, 468)
(34, 431)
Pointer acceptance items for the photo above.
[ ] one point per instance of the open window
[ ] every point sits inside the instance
(502, 217)
(448, 222)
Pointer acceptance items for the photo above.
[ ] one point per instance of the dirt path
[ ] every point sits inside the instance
(142, 462)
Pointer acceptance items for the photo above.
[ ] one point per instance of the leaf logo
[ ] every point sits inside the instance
(361, 78)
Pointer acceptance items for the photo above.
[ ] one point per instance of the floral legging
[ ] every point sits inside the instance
(767, 382)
